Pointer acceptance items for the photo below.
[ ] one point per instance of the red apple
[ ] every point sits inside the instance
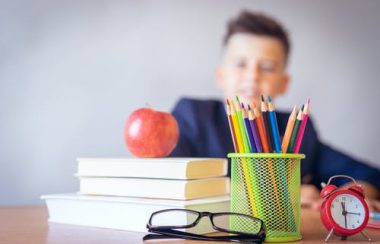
(150, 133)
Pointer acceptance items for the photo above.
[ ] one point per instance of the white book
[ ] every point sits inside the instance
(167, 168)
(125, 213)
(155, 188)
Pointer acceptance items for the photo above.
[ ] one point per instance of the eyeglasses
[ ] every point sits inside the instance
(240, 227)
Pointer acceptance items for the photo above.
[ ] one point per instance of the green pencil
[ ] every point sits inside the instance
(295, 132)
(242, 127)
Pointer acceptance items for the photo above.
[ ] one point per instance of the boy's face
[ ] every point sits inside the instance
(252, 65)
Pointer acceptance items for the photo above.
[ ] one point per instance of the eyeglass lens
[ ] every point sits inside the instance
(228, 221)
(174, 218)
(237, 223)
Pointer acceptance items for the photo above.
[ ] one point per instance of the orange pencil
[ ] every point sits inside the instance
(232, 129)
(264, 143)
(289, 129)
(260, 127)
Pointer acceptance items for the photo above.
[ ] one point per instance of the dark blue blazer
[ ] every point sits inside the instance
(204, 132)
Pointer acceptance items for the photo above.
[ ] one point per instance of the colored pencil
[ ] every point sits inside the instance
(260, 128)
(289, 129)
(302, 127)
(247, 186)
(246, 172)
(235, 123)
(295, 132)
(241, 125)
(249, 178)
(232, 130)
(248, 130)
(274, 125)
(282, 166)
(253, 178)
(255, 133)
(268, 132)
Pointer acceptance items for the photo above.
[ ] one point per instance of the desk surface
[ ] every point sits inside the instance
(29, 225)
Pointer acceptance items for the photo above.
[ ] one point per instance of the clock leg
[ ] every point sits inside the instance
(366, 235)
(343, 238)
(329, 235)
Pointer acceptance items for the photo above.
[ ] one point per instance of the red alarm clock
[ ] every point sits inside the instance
(344, 211)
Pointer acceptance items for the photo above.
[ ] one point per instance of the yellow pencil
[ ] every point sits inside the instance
(235, 123)
(244, 136)
(246, 175)
(289, 129)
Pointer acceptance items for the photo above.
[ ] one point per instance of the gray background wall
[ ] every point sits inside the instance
(72, 71)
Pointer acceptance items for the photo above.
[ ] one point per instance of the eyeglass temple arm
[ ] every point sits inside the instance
(161, 236)
(157, 236)
(169, 233)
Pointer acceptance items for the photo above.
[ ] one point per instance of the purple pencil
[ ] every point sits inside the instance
(248, 130)
(251, 140)
(255, 132)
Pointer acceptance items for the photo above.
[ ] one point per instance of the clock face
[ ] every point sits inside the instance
(347, 211)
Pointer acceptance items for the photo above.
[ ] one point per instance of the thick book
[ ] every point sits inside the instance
(155, 188)
(167, 168)
(125, 213)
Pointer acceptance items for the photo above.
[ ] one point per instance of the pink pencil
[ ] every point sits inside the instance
(302, 127)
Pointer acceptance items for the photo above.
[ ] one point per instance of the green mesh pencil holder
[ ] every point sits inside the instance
(268, 186)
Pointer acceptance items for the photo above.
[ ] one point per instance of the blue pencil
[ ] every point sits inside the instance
(274, 125)
(248, 130)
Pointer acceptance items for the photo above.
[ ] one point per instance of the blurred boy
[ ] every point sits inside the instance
(256, 50)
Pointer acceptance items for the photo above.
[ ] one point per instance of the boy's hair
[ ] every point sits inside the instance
(258, 24)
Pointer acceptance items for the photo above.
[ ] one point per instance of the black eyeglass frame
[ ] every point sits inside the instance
(171, 232)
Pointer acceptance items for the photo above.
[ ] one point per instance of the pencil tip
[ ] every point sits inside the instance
(308, 101)
(249, 107)
(227, 101)
(269, 100)
(254, 104)
(242, 105)
(262, 98)
(237, 99)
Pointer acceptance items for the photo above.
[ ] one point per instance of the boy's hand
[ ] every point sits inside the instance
(371, 194)
(310, 197)
(373, 205)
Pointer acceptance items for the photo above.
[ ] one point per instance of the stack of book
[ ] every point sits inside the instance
(123, 193)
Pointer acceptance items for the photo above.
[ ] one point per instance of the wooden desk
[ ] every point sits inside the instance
(29, 225)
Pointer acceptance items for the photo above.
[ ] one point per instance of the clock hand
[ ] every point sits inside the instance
(343, 208)
(345, 220)
(353, 213)
(344, 214)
